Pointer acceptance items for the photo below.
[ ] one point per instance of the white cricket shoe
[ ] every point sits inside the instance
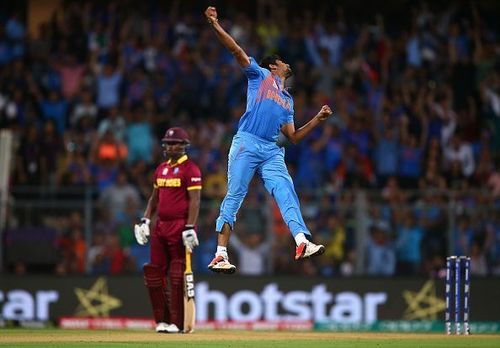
(308, 249)
(166, 328)
(161, 327)
(172, 328)
(221, 265)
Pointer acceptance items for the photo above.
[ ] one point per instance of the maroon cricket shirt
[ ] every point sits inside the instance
(173, 181)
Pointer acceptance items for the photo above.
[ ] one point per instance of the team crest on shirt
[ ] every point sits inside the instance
(165, 171)
(176, 170)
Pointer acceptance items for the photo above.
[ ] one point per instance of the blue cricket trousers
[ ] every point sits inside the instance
(248, 155)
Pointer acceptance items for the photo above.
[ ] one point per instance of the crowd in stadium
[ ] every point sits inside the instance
(416, 123)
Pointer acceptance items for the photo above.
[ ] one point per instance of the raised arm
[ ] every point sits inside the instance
(225, 38)
(295, 136)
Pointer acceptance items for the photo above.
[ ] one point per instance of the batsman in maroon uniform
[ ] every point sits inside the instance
(176, 201)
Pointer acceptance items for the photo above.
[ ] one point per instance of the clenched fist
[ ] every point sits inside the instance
(324, 113)
(211, 14)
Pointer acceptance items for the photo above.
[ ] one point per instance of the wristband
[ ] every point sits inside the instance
(189, 226)
(146, 221)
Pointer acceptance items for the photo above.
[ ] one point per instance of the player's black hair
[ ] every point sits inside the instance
(266, 61)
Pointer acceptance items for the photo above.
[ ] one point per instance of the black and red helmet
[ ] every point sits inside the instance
(176, 135)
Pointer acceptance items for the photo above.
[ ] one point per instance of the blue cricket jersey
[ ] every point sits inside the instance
(268, 106)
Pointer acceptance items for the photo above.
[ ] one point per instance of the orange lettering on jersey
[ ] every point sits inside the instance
(277, 99)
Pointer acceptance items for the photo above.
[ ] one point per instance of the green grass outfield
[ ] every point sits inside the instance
(219, 339)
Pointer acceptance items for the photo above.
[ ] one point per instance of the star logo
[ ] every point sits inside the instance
(96, 302)
(424, 304)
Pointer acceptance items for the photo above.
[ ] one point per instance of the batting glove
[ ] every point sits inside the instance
(189, 238)
(141, 231)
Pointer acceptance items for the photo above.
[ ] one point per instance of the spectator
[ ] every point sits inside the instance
(51, 147)
(408, 244)
(115, 123)
(380, 256)
(96, 255)
(461, 152)
(85, 108)
(334, 237)
(410, 157)
(114, 255)
(28, 160)
(355, 170)
(75, 171)
(333, 147)
(139, 138)
(55, 108)
(108, 86)
(71, 73)
(252, 253)
(386, 155)
(105, 224)
(478, 261)
(119, 195)
(15, 32)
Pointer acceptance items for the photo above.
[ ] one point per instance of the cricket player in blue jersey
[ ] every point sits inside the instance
(254, 150)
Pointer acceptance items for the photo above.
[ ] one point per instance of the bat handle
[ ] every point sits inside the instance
(188, 261)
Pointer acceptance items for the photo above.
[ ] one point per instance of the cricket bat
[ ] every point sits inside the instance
(189, 306)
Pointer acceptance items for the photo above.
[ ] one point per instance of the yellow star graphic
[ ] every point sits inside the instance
(423, 304)
(96, 302)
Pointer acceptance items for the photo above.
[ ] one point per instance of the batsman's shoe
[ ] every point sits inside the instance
(308, 249)
(167, 328)
(172, 328)
(221, 265)
(162, 327)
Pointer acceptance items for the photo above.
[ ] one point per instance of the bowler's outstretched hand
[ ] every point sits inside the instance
(324, 113)
(211, 14)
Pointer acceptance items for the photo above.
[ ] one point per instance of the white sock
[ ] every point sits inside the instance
(222, 251)
(300, 238)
